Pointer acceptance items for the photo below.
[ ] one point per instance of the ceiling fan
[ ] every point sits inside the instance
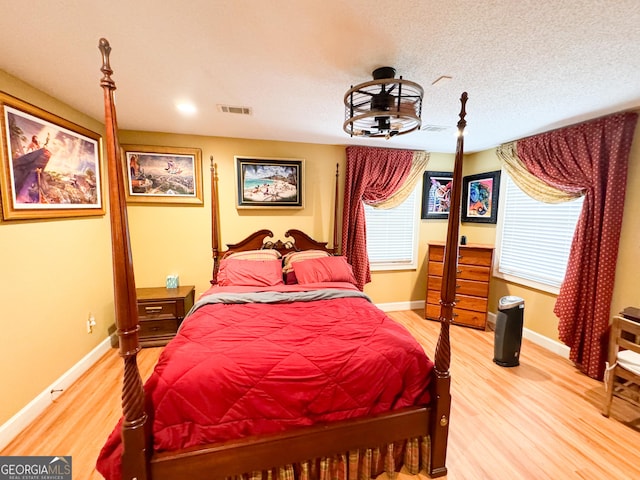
(384, 107)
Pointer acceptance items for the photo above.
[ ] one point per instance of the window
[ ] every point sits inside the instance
(534, 238)
(392, 235)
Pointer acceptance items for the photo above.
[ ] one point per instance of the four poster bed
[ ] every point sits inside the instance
(315, 381)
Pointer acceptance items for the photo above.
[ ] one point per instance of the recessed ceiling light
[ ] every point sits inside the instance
(186, 108)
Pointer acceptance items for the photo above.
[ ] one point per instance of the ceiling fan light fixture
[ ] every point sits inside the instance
(383, 107)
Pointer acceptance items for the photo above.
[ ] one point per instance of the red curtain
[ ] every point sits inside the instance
(373, 175)
(591, 157)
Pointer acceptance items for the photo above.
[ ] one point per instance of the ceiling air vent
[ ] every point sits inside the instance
(435, 128)
(232, 109)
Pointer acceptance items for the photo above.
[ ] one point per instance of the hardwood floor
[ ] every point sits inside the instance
(540, 420)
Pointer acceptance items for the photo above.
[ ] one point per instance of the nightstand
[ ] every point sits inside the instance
(160, 311)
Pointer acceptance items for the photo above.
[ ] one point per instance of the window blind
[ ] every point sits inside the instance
(536, 237)
(392, 234)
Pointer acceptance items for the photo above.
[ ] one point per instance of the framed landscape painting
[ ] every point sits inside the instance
(269, 182)
(480, 197)
(51, 167)
(162, 174)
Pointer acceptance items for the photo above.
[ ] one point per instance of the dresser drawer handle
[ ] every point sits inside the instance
(155, 329)
(152, 309)
(457, 286)
(458, 271)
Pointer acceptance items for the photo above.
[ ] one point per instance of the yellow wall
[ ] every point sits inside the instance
(56, 272)
(177, 239)
(53, 273)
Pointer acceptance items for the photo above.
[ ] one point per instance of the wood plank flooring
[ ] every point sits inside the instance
(540, 420)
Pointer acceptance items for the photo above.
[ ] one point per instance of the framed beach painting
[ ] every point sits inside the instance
(269, 182)
(480, 197)
(51, 167)
(155, 174)
(436, 195)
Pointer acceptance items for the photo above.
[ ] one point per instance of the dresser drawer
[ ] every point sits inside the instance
(463, 287)
(466, 255)
(152, 328)
(475, 256)
(467, 272)
(461, 316)
(467, 302)
(469, 318)
(152, 310)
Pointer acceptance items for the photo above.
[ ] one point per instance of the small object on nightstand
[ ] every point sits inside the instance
(160, 311)
(172, 281)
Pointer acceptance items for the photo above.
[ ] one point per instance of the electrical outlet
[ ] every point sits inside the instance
(91, 322)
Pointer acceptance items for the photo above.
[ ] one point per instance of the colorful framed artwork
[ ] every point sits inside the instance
(170, 175)
(480, 197)
(51, 167)
(269, 182)
(436, 195)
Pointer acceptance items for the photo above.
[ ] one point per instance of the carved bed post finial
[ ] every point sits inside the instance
(105, 49)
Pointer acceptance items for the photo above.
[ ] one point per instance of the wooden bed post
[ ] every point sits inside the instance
(335, 212)
(215, 222)
(439, 419)
(134, 463)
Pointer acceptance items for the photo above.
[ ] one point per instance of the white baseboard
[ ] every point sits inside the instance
(534, 337)
(398, 306)
(12, 427)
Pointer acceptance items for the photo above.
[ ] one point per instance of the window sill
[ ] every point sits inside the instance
(526, 282)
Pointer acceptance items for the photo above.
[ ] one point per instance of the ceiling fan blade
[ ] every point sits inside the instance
(361, 104)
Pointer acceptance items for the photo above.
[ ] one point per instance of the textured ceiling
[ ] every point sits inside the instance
(528, 66)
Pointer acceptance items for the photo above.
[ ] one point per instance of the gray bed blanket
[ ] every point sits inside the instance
(276, 297)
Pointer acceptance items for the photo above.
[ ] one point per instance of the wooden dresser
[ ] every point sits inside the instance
(472, 284)
(161, 311)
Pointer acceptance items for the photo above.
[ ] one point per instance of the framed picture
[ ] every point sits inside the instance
(480, 197)
(269, 182)
(436, 194)
(162, 174)
(51, 167)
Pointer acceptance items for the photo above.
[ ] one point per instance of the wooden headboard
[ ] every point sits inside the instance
(295, 240)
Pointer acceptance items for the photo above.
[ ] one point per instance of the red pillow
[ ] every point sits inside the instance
(324, 269)
(252, 273)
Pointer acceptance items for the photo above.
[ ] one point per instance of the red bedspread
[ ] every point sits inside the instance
(242, 369)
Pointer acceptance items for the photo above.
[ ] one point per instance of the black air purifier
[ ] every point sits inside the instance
(508, 334)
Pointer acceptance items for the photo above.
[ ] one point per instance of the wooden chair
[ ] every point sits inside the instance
(622, 376)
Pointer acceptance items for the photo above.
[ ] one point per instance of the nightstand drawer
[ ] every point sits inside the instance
(150, 328)
(152, 310)
(160, 312)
